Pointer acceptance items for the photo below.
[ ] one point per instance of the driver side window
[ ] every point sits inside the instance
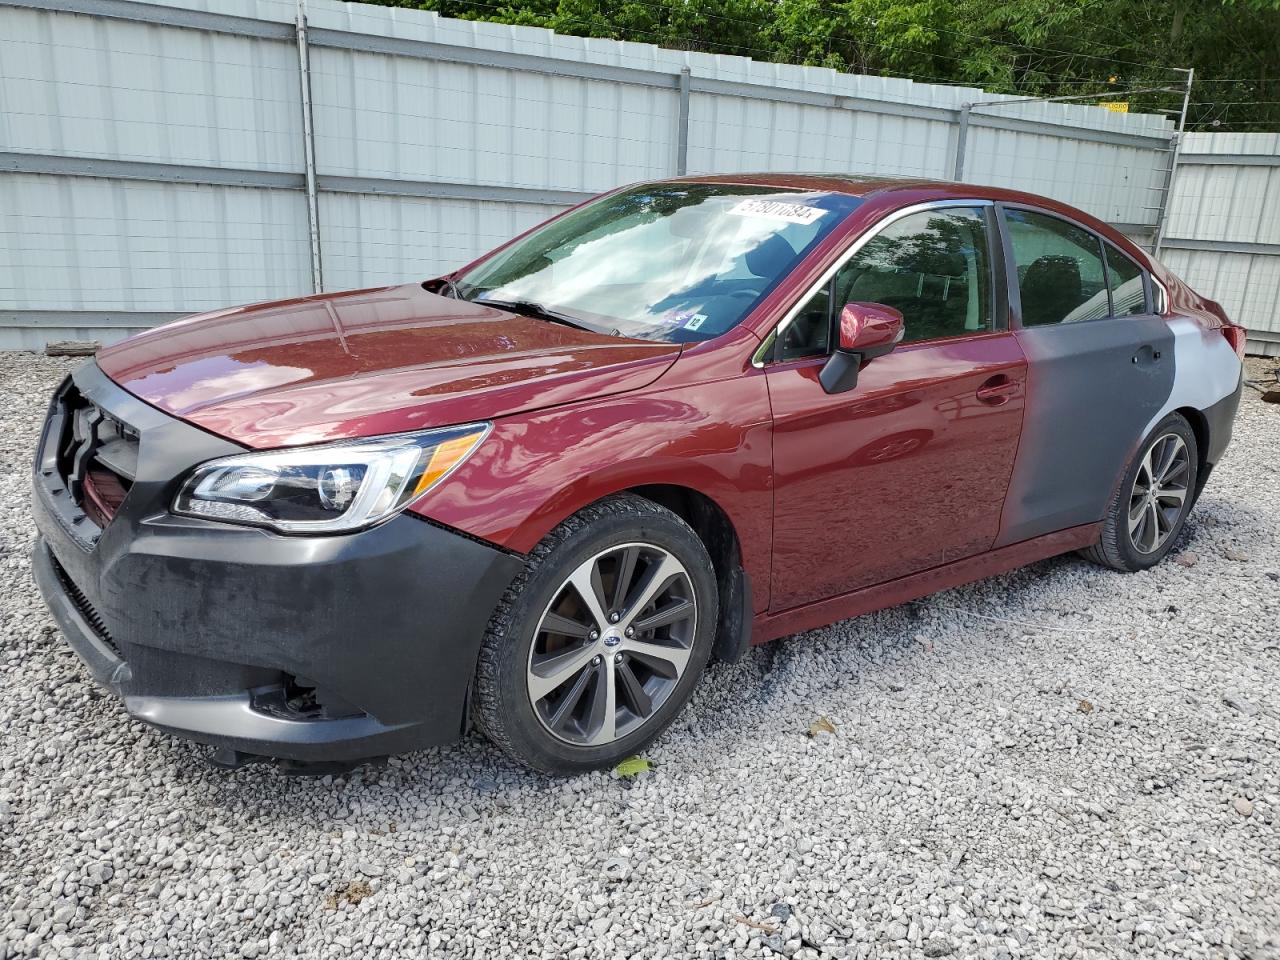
(932, 266)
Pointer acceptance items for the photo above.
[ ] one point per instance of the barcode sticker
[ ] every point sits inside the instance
(777, 210)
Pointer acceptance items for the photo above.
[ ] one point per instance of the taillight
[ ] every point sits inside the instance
(1236, 336)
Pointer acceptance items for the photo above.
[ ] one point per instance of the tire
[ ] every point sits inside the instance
(527, 674)
(1124, 546)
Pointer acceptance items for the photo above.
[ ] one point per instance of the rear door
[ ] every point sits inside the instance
(909, 469)
(1100, 366)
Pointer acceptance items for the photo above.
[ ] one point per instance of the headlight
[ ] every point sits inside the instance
(333, 488)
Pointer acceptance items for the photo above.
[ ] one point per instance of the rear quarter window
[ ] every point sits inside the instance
(1127, 284)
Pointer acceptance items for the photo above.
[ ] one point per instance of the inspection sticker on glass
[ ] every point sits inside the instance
(695, 322)
(777, 210)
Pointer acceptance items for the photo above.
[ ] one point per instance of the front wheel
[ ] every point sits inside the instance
(1151, 505)
(599, 643)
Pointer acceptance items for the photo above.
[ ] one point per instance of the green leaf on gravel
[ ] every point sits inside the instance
(632, 767)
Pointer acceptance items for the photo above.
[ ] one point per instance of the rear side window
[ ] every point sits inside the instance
(1124, 277)
(1060, 274)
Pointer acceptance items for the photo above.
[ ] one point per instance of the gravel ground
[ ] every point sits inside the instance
(1062, 762)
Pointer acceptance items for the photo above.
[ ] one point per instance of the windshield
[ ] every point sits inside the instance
(674, 261)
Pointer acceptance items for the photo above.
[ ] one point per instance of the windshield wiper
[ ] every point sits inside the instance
(532, 308)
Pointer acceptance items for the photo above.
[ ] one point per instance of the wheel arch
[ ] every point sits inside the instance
(715, 529)
(1200, 427)
(704, 453)
(1200, 430)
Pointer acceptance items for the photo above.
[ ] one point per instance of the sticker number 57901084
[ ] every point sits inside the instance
(777, 210)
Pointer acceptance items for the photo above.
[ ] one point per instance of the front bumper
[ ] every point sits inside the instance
(307, 648)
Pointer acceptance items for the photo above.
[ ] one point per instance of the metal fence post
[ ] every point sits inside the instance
(1162, 216)
(962, 135)
(682, 133)
(309, 148)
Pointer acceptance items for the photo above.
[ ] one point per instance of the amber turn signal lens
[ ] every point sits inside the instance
(444, 458)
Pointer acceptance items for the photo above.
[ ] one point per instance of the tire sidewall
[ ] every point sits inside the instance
(1131, 556)
(523, 729)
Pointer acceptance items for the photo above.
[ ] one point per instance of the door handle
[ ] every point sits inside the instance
(1146, 353)
(997, 390)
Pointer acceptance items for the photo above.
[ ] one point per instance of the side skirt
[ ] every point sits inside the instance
(868, 599)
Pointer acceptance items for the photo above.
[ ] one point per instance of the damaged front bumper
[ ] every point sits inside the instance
(314, 649)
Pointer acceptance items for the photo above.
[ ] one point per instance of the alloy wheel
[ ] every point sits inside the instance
(612, 645)
(1159, 493)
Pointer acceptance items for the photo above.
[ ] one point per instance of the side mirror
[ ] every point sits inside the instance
(867, 331)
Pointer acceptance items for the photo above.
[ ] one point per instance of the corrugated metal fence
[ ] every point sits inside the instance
(1223, 229)
(154, 156)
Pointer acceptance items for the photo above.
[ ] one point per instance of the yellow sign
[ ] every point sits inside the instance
(1117, 106)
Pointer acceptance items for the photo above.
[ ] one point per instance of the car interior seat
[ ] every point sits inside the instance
(1051, 289)
(930, 289)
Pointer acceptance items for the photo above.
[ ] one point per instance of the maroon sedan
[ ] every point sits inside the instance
(540, 493)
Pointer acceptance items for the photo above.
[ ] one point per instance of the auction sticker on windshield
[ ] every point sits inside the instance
(777, 210)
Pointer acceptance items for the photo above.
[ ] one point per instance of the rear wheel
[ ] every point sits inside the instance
(1151, 505)
(597, 646)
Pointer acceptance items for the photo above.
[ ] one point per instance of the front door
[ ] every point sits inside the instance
(909, 469)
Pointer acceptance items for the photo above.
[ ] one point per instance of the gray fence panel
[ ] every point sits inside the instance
(152, 157)
(732, 133)
(1224, 228)
(1117, 183)
(75, 85)
(99, 244)
(374, 240)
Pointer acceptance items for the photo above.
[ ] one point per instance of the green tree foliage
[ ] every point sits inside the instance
(1024, 47)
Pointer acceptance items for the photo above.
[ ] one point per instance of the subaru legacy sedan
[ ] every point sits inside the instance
(539, 494)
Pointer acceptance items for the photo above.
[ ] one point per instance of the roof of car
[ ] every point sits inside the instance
(918, 189)
(855, 184)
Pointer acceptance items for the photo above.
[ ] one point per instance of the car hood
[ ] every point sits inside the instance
(369, 362)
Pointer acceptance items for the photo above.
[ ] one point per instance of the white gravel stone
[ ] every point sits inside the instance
(966, 806)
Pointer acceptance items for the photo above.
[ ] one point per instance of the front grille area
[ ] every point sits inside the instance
(104, 491)
(85, 608)
(96, 456)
